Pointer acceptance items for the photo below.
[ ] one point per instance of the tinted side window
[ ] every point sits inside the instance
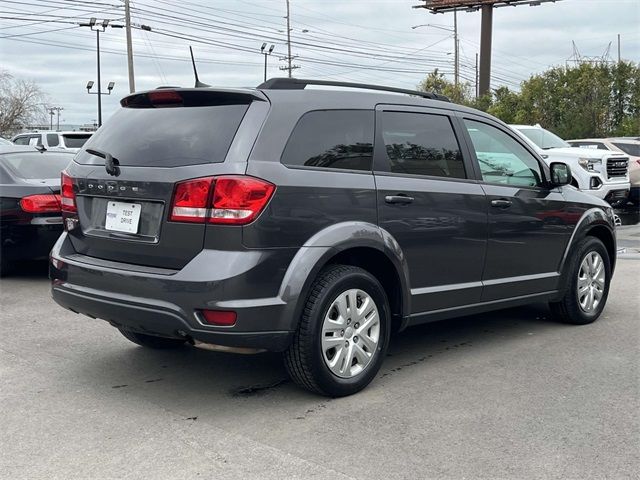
(24, 140)
(421, 144)
(53, 140)
(629, 148)
(332, 139)
(75, 140)
(501, 158)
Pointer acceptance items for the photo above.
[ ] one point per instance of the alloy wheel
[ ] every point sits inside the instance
(350, 333)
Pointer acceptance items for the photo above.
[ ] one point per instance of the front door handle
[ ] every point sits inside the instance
(401, 199)
(501, 203)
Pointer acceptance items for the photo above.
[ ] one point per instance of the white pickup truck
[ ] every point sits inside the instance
(602, 173)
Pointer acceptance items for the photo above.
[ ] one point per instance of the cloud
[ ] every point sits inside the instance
(333, 39)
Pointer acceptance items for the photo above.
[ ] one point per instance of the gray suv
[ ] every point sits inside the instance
(317, 222)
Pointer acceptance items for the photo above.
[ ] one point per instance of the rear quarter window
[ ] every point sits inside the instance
(53, 140)
(341, 139)
(167, 137)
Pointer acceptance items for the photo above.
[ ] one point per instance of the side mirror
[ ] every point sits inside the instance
(560, 174)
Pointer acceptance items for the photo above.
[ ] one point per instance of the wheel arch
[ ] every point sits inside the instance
(606, 236)
(352, 243)
(594, 222)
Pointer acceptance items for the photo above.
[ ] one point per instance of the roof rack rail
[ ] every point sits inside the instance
(283, 83)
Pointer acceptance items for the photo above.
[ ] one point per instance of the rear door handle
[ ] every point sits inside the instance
(501, 203)
(398, 199)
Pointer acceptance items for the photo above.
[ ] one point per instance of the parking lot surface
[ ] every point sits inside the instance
(501, 395)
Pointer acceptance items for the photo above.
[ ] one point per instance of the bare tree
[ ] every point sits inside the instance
(22, 103)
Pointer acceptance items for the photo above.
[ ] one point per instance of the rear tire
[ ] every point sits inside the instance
(588, 277)
(343, 334)
(151, 341)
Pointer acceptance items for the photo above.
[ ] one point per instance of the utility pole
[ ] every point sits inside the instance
(456, 74)
(619, 57)
(476, 74)
(127, 24)
(289, 58)
(289, 67)
(51, 113)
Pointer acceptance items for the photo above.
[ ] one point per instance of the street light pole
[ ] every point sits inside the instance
(99, 27)
(266, 54)
(99, 82)
(456, 41)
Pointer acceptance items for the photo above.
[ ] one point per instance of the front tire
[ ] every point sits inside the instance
(343, 334)
(588, 277)
(151, 341)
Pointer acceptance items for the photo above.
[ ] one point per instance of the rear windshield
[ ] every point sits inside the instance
(36, 165)
(167, 137)
(629, 148)
(75, 140)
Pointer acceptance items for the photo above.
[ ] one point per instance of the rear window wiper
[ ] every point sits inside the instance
(111, 164)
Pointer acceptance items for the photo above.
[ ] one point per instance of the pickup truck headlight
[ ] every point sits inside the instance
(588, 163)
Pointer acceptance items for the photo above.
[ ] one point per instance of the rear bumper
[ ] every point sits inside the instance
(28, 242)
(166, 303)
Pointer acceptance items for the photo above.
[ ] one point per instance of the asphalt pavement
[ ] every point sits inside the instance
(505, 395)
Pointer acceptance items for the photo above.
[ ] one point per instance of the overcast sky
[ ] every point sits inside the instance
(352, 40)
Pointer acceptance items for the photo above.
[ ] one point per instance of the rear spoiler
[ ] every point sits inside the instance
(191, 97)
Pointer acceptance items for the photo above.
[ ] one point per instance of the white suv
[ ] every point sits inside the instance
(69, 141)
(602, 173)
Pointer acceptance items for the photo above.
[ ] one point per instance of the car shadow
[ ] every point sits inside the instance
(197, 381)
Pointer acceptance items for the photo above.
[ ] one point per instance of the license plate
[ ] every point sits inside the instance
(122, 217)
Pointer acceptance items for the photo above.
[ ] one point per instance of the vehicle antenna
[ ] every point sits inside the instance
(195, 71)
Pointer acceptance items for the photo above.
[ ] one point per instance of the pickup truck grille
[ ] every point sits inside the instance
(617, 167)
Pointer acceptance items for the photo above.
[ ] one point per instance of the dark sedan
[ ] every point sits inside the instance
(30, 217)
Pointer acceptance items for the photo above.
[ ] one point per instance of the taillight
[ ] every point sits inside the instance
(239, 200)
(190, 200)
(41, 203)
(67, 195)
(230, 200)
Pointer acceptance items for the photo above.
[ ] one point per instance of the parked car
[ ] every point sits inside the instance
(627, 145)
(314, 222)
(600, 173)
(4, 141)
(71, 141)
(30, 211)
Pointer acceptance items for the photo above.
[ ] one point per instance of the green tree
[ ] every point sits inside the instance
(586, 100)
(504, 104)
(436, 82)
